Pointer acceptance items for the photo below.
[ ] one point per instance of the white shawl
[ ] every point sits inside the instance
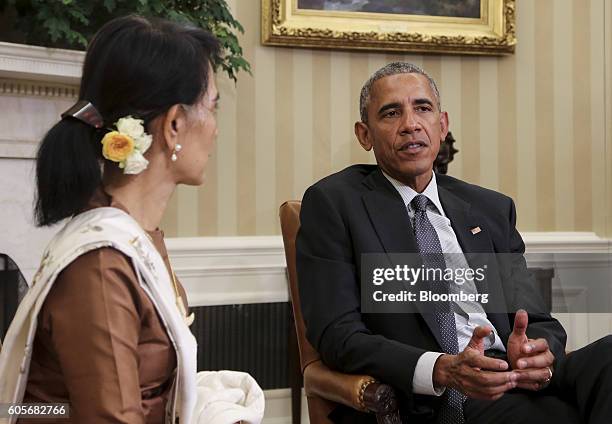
(100, 227)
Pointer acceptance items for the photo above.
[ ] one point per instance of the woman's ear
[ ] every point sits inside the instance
(173, 123)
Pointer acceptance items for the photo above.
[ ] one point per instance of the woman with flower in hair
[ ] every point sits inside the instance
(104, 326)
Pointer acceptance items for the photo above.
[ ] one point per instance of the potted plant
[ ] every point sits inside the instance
(68, 24)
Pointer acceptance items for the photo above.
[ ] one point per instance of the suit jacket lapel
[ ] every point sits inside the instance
(390, 219)
(388, 214)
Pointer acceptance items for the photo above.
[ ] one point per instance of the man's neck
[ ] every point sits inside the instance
(418, 183)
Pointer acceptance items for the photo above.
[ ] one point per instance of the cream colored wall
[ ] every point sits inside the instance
(532, 125)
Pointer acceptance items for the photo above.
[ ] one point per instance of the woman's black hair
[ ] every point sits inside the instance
(133, 66)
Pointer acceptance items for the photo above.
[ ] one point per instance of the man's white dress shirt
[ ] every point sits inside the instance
(422, 382)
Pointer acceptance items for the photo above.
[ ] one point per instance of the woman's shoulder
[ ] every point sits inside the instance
(97, 276)
(100, 261)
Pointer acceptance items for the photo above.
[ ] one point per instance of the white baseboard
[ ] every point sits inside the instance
(278, 407)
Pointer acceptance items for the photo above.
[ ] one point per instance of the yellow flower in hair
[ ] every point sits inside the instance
(117, 147)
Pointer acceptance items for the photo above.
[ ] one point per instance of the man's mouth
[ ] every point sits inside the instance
(412, 146)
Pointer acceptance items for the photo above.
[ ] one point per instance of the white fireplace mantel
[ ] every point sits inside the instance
(21, 61)
(36, 85)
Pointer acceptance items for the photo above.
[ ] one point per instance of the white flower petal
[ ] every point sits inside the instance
(143, 142)
(135, 163)
(131, 126)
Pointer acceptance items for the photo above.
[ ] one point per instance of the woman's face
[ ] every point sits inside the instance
(199, 136)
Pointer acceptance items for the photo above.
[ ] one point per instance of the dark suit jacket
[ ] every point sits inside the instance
(358, 211)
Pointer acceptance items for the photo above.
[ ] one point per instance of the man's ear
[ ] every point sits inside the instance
(443, 125)
(173, 122)
(363, 135)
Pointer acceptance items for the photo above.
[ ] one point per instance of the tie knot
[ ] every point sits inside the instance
(419, 203)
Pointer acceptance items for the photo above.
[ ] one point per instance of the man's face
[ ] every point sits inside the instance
(405, 128)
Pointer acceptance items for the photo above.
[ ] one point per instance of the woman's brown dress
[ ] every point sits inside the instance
(100, 344)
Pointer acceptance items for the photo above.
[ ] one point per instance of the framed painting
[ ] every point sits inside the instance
(425, 26)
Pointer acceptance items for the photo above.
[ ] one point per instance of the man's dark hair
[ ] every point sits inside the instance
(393, 68)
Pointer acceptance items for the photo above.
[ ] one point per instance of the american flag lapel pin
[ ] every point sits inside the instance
(475, 230)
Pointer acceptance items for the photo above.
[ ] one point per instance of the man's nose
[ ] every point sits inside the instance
(409, 123)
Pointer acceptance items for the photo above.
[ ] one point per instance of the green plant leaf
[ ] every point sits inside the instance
(110, 5)
(70, 23)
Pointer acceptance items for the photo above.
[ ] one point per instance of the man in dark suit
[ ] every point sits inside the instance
(477, 367)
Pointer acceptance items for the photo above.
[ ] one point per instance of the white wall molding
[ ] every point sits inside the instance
(565, 242)
(233, 270)
(229, 270)
(566, 249)
(252, 246)
(18, 149)
(28, 88)
(40, 63)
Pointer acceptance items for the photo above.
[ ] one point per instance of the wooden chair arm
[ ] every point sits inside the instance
(359, 392)
(380, 399)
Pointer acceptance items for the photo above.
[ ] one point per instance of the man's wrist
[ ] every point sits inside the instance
(440, 371)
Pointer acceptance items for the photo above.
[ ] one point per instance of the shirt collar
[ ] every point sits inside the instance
(407, 193)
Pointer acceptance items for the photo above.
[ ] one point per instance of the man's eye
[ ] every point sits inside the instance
(391, 114)
(423, 108)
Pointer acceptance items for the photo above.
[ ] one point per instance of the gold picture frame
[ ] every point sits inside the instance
(284, 24)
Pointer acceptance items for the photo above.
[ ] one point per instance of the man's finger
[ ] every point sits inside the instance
(494, 379)
(541, 360)
(540, 375)
(484, 384)
(492, 391)
(486, 363)
(535, 346)
(521, 320)
(529, 386)
(480, 333)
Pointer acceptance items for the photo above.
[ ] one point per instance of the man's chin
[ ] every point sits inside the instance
(416, 172)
